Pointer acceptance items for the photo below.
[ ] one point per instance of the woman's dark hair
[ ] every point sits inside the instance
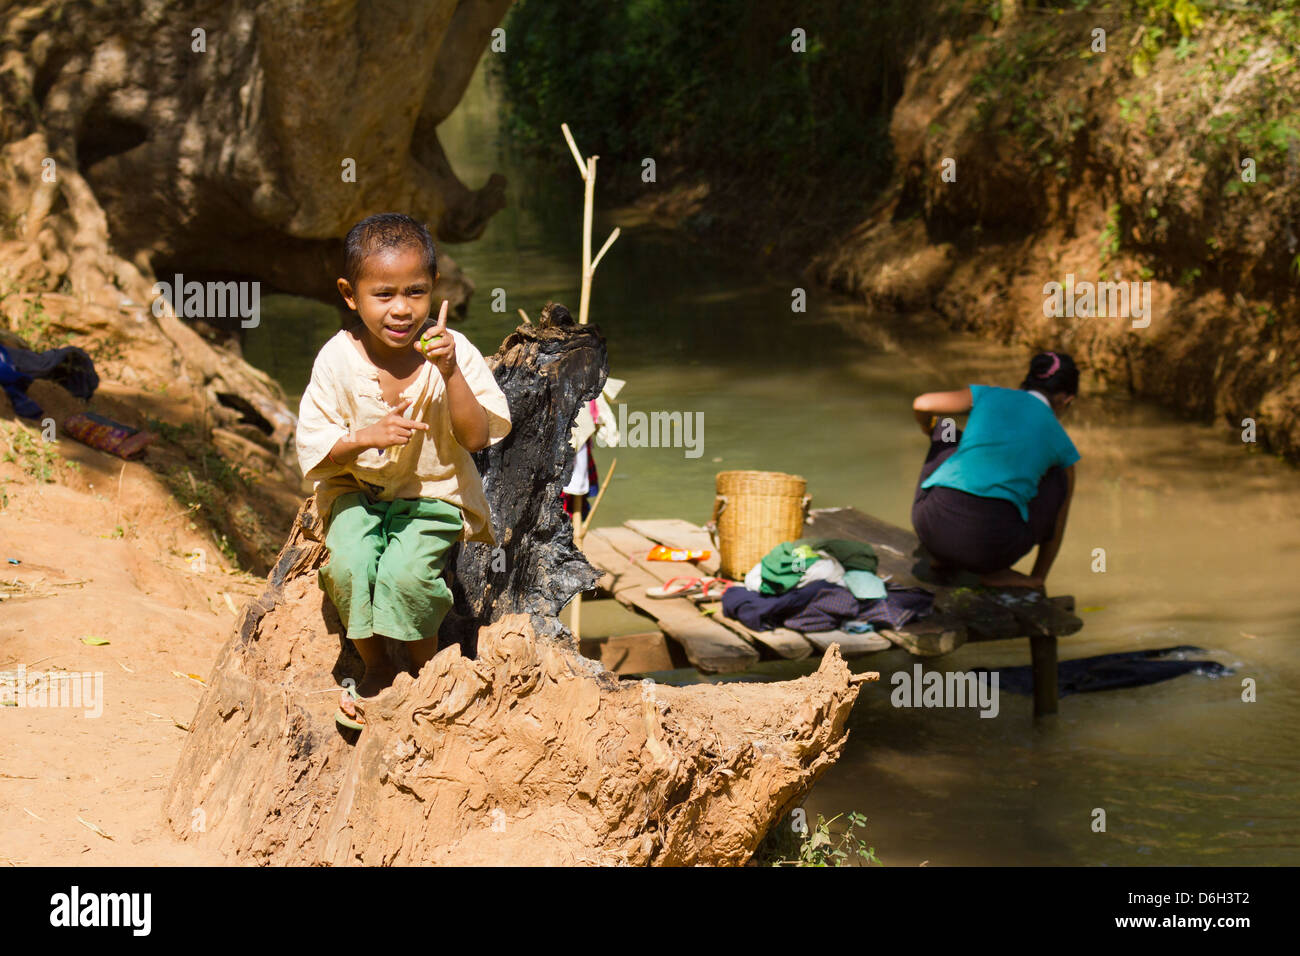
(387, 230)
(1052, 373)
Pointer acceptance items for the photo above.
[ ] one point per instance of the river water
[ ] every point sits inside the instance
(1201, 535)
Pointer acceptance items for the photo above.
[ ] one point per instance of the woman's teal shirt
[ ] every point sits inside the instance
(1010, 440)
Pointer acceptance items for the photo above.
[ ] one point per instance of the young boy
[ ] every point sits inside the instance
(394, 408)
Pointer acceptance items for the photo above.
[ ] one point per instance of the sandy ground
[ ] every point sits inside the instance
(161, 612)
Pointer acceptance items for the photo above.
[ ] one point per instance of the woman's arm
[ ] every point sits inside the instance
(1047, 551)
(926, 406)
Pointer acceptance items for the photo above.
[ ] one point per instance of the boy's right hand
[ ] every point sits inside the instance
(392, 429)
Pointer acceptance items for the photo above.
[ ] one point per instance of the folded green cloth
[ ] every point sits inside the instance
(784, 565)
(854, 555)
(864, 585)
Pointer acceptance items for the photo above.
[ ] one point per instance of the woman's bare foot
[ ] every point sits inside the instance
(1007, 578)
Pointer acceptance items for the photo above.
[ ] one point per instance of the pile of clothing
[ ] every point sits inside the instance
(814, 585)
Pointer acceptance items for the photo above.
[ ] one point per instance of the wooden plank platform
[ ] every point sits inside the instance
(709, 646)
(987, 614)
(676, 533)
(963, 610)
(682, 534)
(851, 645)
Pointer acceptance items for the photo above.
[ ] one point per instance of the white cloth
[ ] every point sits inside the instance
(605, 424)
(344, 394)
(579, 483)
(824, 568)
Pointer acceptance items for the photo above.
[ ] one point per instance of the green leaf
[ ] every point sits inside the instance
(94, 641)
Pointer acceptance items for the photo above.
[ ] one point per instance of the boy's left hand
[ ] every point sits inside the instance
(438, 346)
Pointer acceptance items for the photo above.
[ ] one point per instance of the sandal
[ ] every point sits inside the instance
(669, 590)
(340, 716)
(713, 589)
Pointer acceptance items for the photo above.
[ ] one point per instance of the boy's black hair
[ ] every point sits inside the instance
(386, 230)
(1052, 373)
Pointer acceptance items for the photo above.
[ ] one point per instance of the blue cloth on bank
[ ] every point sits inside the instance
(68, 366)
(1011, 439)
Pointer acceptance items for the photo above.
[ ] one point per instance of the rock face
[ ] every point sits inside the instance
(1136, 176)
(517, 750)
(141, 139)
(243, 139)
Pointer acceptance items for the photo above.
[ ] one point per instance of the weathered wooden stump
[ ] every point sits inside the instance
(509, 747)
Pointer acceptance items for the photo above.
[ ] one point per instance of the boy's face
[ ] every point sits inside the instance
(393, 296)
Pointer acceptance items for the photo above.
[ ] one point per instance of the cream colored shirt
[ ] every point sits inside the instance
(344, 395)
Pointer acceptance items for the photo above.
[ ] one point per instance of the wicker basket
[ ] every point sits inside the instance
(753, 512)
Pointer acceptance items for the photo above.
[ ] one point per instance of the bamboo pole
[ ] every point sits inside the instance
(587, 170)
(588, 200)
(601, 494)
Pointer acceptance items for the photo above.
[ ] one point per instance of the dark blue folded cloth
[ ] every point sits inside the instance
(825, 612)
(822, 606)
(897, 607)
(758, 612)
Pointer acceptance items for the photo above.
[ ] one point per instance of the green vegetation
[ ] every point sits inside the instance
(715, 90)
(1110, 234)
(36, 327)
(37, 458)
(819, 845)
(202, 481)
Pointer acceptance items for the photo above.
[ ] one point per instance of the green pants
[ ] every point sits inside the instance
(385, 569)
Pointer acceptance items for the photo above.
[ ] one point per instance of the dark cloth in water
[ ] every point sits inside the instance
(1112, 671)
(69, 366)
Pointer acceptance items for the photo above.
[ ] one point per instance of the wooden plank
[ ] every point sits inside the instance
(1038, 616)
(851, 645)
(708, 645)
(630, 653)
(634, 547)
(606, 559)
(676, 533)
(782, 641)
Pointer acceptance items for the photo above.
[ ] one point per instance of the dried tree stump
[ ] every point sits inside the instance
(509, 747)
